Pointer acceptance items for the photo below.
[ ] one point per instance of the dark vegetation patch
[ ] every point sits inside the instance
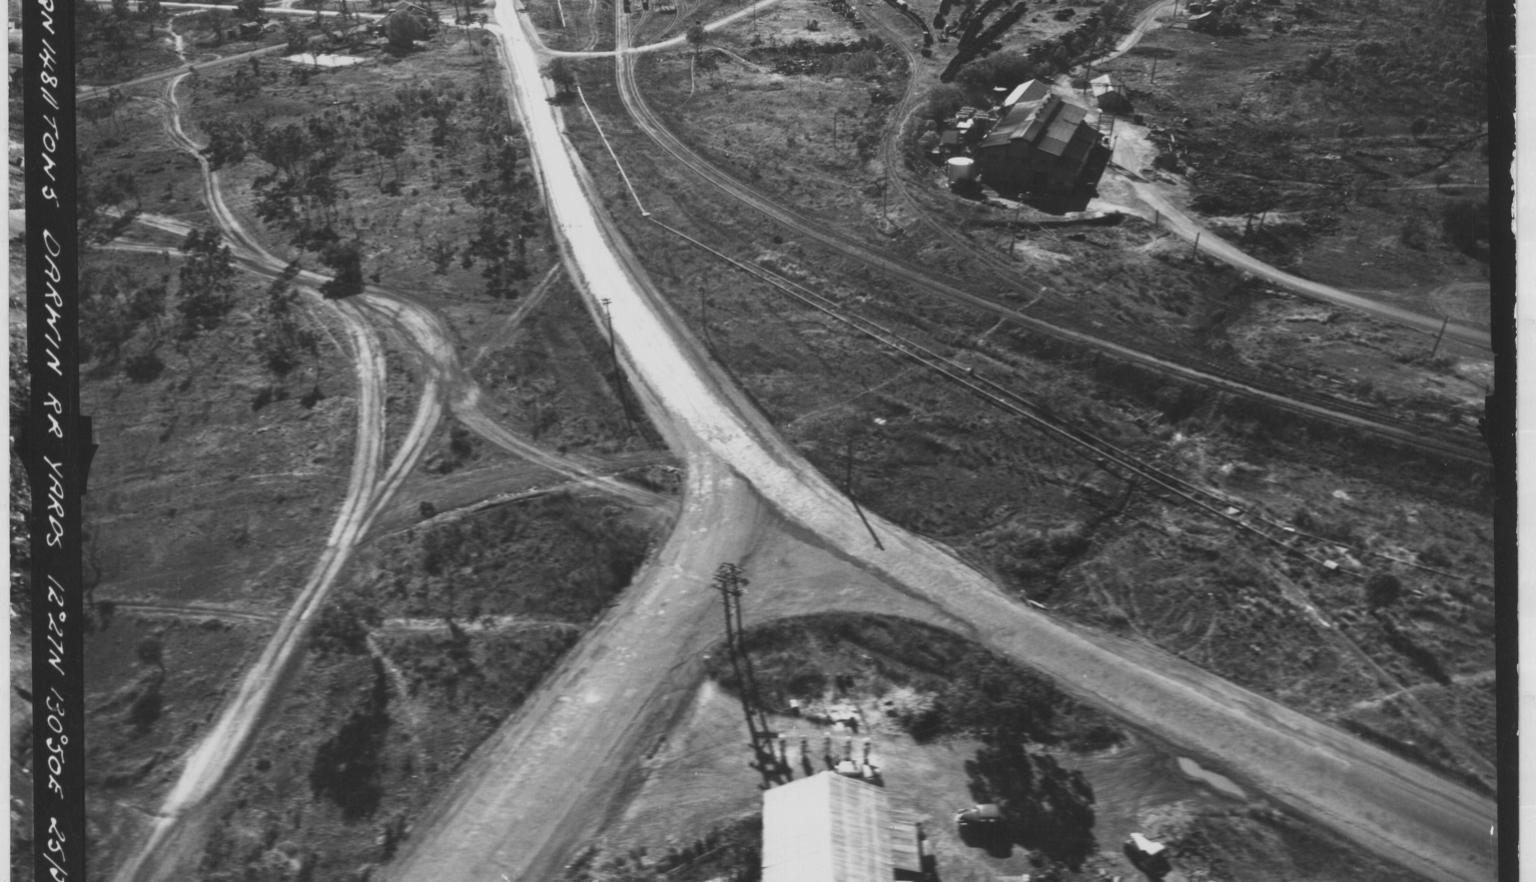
(950, 686)
(558, 556)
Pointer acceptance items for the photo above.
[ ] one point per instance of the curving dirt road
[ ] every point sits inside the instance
(1171, 218)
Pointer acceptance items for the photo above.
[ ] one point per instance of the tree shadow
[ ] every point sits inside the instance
(1045, 807)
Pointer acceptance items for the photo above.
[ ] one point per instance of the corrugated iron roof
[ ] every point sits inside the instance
(1055, 128)
(827, 828)
(1027, 92)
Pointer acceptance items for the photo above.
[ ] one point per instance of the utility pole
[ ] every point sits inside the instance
(730, 582)
(848, 489)
(613, 356)
(1013, 241)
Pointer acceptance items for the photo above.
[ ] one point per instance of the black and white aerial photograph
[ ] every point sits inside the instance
(758, 441)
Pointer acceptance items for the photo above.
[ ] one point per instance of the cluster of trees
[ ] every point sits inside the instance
(106, 201)
(301, 192)
(106, 38)
(118, 309)
(510, 212)
(977, 70)
(1046, 808)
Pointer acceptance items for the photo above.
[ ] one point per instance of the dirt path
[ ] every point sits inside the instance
(189, 611)
(1171, 218)
(504, 825)
(1146, 20)
(677, 42)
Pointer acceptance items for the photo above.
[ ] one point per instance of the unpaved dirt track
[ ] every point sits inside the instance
(1213, 245)
(173, 840)
(485, 829)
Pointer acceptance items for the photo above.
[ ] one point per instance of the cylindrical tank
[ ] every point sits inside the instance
(959, 169)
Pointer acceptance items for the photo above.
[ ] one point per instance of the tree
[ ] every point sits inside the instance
(403, 28)
(151, 651)
(227, 143)
(147, 304)
(297, 39)
(386, 135)
(560, 73)
(1383, 589)
(206, 285)
(283, 337)
(217, 20)
(346, 260)
(697, 37)
(250, 10)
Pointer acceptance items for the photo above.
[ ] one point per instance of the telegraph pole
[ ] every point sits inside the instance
(613, 356)
(730, 582)
(848, 489)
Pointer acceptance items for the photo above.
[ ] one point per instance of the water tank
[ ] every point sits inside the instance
(960, 169)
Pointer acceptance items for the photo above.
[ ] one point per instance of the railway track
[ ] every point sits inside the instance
(1321, 551)
(1314, 406)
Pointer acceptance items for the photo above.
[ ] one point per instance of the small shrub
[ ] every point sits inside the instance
(1383, 589)
(144, 367)
(150, 651)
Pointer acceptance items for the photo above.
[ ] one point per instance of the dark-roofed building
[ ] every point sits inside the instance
(1047, 149)
(834, 828)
